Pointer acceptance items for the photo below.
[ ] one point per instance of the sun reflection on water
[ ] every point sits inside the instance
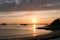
(34, 30)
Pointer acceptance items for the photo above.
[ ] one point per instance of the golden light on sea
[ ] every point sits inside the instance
(34, 27)
(34, 30)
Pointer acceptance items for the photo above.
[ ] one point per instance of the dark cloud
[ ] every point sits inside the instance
(32, 5)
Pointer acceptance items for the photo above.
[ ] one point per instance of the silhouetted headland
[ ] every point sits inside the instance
(55, 25)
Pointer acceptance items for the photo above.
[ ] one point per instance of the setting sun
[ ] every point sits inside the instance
(34, 20)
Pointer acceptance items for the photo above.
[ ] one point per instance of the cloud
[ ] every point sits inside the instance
(5, 12)
(31, 13)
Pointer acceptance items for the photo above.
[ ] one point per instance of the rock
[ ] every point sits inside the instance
(55, 25)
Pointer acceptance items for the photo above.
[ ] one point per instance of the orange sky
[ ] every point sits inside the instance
(26, 20)
(44, 16)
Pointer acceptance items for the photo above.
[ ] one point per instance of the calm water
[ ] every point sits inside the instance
(12, 31)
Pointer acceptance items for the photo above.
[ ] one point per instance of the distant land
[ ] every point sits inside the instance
(22, 24)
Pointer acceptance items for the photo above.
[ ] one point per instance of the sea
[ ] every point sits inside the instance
(20, 31)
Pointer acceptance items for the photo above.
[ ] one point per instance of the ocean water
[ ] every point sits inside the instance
(20, 31)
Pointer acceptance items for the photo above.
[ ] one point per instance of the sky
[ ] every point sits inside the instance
(24, 14)
(43, 16)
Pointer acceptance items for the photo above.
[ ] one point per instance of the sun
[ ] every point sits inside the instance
(34, 21)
